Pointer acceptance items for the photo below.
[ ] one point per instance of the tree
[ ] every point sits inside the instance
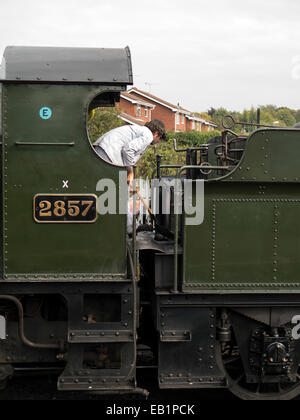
(297, 115)
(102, 121)
(285, 115)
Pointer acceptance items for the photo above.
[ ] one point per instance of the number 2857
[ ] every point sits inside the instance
(61, 208)
(65, 209)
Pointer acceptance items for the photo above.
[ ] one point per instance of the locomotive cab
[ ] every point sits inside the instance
(68, 301)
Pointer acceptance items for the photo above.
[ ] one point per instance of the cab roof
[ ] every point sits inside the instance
(57, 64)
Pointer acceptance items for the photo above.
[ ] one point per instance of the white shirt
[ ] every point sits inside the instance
(125, 145)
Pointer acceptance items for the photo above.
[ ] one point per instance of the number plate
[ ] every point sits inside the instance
(65, 208)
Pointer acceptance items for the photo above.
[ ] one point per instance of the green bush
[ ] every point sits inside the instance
(193, 138)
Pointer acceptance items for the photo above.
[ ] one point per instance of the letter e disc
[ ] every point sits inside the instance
(45, 113)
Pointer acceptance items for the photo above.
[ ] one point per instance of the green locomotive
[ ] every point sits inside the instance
(208, 306)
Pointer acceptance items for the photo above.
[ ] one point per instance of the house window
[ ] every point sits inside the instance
(177, 118)
(182, 118)
(193, 125)
(138, 110)
(146, 112)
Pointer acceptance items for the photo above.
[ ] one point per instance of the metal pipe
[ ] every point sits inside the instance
(165, 167)
(133, 268)
(216, 168)
(134, 223)
(203, 147)
(158, 164)
(258, 116)
(21, 326)
(233, 123)
(134, 326)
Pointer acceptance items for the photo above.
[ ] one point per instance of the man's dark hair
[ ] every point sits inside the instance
(157, 125)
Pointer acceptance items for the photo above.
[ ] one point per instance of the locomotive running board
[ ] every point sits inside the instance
(102, 384)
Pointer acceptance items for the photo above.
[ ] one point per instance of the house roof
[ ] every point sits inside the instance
(190, 115)
(160, 101)
(136, 100)
(202, 120)
(130, 119)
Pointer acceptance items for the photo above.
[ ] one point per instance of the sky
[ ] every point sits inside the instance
(198, 53)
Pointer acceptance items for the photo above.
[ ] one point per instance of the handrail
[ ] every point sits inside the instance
(189, 148)
(29, 143)
(210, 167)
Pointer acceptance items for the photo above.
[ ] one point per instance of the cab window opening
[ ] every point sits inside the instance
(103, 115)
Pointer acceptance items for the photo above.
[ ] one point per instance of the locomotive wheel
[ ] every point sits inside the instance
(237, 384)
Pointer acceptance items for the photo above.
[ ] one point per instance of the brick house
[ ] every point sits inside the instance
(199, 124)
(174, 117)
(134, 109)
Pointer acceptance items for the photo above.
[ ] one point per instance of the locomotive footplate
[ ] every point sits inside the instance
(90, 382)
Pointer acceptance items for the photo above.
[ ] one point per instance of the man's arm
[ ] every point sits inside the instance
(132, 151)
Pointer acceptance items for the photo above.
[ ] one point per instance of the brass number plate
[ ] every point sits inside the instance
(65, 208)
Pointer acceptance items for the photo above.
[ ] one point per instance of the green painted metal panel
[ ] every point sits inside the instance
(242, 248)
(287, 250)
(249, 241)
(54, 249)
(270, 156)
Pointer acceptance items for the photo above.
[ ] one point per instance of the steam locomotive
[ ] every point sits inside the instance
(205, 306)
